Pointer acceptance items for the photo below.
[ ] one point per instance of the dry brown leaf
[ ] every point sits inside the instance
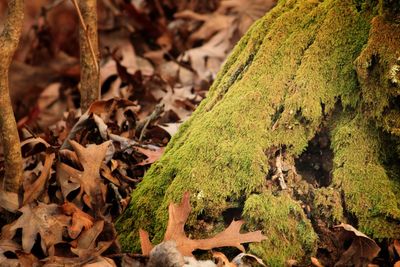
(87, 240)
(145, 243)
(80, 219)
(213, 23)
(362, 249)
(315, 262)
(246, 11)
(107, 174)
(8, 246)
(45, 220)
(35, 190)
(223, 259)
(27, 259)
(230, 237)
(152, 155)
(65, 176)
(91, 158)
(105, 106)
(396, 245)
(9, 200)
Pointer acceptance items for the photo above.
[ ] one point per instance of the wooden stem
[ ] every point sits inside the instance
(9, 138)
(89, 49)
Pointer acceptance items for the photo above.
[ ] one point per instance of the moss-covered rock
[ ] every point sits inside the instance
(291, 72)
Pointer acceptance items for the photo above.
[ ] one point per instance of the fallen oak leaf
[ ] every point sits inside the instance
(45, 220)
(35, 190)
(145, 243)
(152, 155)
(362, 249)
(80, 219)
(230, 237)
(91, 158)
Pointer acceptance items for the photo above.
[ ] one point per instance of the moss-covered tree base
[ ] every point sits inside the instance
(305, 65)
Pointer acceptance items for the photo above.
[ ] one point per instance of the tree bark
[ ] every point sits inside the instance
(9, 138)
(321, 74)
(89, 53)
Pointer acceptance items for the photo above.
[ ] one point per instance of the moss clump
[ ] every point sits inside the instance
(358, 171)
(289, 233)
(327, 205)
(378, 69)
(283, 79)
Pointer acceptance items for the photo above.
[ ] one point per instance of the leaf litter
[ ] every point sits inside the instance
(81, 168)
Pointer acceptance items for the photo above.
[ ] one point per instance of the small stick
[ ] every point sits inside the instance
(85, 28)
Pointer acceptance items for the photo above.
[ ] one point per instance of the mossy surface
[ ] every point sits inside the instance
(369, 191)
(283, 79)
(279, 216)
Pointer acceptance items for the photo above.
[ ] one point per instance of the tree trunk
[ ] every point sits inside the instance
(9, 137)
(311, 82)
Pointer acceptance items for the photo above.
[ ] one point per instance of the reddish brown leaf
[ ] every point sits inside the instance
(230, 237)
(396, 244)
(152, 155)
(145, 243)
(80, 219)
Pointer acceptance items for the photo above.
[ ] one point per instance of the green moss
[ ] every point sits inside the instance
(369, 192)
(281, 81)
(378, 68)
(289, 233)
(327, 205)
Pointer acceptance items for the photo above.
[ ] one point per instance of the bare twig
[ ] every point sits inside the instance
(9, 40)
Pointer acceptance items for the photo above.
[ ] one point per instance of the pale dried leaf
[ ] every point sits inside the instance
(7, 245)
(9, 200)
(45, 220)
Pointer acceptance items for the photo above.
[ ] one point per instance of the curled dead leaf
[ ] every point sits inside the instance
(362, 249)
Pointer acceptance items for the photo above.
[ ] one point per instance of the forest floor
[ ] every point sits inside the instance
(158, 60)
